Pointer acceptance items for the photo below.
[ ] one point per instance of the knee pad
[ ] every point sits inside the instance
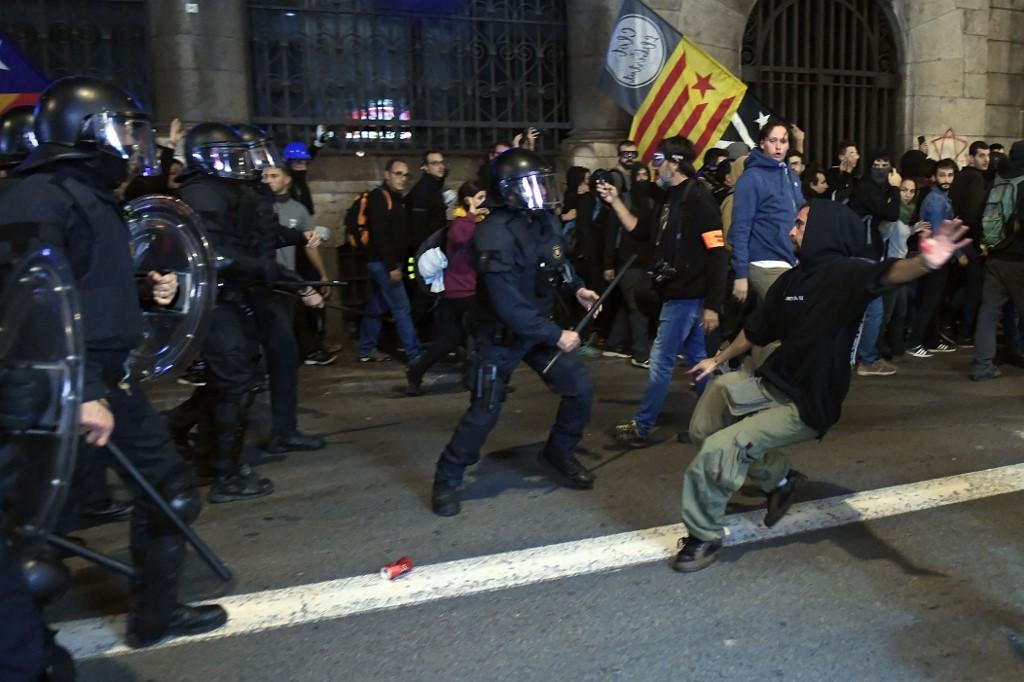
(46, 577)
(182, 497)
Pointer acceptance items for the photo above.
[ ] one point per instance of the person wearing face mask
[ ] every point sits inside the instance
(689, 273)
(875, 199)
(765, 205)
(629, 321)
(91, 135)
(923, 339)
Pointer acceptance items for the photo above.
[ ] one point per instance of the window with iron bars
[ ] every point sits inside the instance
(410, 75)
(102, 38)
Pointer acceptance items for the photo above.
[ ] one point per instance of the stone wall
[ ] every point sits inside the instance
(963, 68)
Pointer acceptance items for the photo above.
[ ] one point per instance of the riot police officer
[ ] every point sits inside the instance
(89, 133)
(522, 263)
(244, 232)
(16, 139)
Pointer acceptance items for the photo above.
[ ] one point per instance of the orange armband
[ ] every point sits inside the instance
(713, 239)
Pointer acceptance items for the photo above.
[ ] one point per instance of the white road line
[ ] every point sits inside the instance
(287, 607)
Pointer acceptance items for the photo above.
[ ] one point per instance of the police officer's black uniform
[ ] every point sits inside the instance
(67, 185)
(522, 264)
(245, 232)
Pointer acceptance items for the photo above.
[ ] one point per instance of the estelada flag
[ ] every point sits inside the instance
(693, 96)
(20, 83)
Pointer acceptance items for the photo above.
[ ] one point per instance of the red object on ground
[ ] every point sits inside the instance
(397, 569)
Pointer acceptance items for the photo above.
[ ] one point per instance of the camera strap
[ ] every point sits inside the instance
(663, 220)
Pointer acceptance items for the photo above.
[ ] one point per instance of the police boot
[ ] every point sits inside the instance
(574, 474)
(184, 621)
(243, 484)
(293, 442)
(444, 499)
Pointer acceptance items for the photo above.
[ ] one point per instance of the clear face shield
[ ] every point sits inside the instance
(129, 136)
(533, 192)
(264, 154)
(227, 160)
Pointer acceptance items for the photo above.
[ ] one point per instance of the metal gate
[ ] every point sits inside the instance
(830, 66)
(102, 38)
(403, 75)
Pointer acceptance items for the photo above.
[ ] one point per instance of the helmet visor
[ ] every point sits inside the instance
(130, 137)
(533, 192)
(226, 160)
(264, 154)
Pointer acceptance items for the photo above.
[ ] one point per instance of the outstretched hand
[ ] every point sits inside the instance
(702, 369)
(944, 242)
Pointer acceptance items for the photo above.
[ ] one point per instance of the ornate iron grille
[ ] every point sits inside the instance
(831, 67)
(102, 38)
(404, 75)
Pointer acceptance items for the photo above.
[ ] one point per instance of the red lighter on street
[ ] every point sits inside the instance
(397, 569)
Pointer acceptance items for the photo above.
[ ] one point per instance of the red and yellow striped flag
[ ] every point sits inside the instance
(693, 96)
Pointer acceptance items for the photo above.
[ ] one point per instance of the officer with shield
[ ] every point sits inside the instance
(90, 133)
(522, 263)
(244, 232)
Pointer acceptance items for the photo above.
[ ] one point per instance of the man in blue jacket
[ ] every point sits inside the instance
(767, 199)
(923, 339)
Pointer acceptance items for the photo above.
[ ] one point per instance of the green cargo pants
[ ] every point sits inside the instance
(761, 280)
(730, 451)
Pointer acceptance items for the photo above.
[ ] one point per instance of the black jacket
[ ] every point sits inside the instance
(96, 245)
(968, 195)
(877, 202)
(619, 243)
(242, 227)
(426, 209)
(389, 234)
(815, 310)
(692, 241)
(522, 263)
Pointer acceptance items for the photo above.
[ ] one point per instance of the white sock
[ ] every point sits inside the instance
(784, 481)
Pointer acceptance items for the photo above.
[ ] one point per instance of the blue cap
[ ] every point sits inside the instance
(296, 151)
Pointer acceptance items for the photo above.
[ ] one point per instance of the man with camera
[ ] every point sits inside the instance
(689, 273)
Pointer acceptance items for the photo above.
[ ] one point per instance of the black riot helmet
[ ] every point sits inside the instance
(263, 152)
(523, 180)
(216, 149)
(17, 138)
(81, 117)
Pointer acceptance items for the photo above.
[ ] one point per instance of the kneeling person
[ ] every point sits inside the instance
(815, 311)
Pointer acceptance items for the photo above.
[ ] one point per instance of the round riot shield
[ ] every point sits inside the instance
(41, 366)
(167, 238)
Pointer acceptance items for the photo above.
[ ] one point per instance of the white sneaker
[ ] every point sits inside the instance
(614, 354)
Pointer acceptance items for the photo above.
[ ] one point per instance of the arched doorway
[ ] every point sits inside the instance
(831, 66)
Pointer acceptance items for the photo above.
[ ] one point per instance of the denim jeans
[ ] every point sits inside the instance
(385, 295)
(679, 329)
(867, 349)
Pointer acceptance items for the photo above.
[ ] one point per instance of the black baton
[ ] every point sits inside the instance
(593, 309)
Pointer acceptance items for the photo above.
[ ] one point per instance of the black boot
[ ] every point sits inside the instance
(444, 499)
(696, 554)
(575, 475)
(293, 442)
(414, 381)
(244, 484)
(185, 620)
(781, 498)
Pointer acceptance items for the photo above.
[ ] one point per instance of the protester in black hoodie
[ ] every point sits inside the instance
(968, 194)
(815, 310)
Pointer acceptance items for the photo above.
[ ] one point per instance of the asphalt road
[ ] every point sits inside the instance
(929, 595)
